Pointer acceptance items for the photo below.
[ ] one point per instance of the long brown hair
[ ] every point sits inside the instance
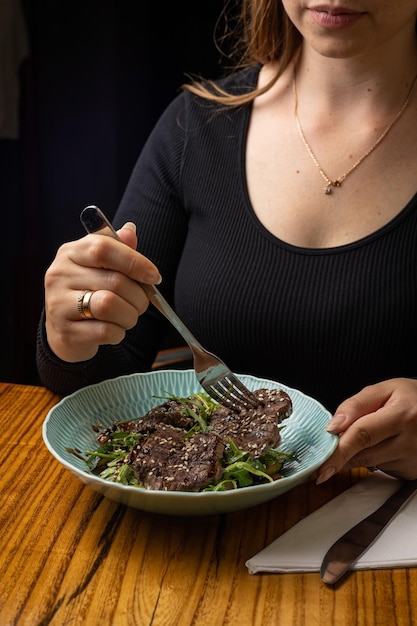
(262, 33)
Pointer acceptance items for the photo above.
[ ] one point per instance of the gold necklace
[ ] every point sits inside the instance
(338, 181)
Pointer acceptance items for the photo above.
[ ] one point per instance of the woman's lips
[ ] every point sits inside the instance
(331, 17)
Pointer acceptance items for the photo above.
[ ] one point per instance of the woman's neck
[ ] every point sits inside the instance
(377, 83)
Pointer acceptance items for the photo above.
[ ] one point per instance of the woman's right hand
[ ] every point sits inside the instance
(110, 269)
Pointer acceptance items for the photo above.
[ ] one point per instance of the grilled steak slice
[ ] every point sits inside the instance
(169, 460)
(254, 430)
(171, 412)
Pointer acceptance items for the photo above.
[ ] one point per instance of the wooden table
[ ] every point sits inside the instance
(70, 556)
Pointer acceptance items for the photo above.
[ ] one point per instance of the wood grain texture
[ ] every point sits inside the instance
(70, 556)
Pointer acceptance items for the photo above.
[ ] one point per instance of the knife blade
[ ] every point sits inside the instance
(350, 546)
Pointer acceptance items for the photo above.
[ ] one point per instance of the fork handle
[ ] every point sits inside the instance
(94, 221)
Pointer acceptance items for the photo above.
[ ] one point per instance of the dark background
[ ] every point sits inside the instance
(97, 78)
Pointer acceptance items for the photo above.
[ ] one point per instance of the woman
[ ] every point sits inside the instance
(279, 206)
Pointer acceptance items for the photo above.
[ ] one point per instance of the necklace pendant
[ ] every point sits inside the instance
(332, 183)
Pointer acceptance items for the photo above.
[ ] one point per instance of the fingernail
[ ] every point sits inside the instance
(131, 226)
(336, 423)
(328, 473)
(152, 277)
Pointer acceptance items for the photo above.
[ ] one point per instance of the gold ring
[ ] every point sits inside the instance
(83, 305)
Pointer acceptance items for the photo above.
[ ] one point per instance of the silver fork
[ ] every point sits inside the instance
(213, 375)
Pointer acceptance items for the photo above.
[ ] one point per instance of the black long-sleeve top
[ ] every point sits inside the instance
(326, 321)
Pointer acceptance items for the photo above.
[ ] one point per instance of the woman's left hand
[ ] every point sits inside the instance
(377, 428)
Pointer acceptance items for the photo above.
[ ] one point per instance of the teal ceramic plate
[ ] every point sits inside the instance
(69, 425)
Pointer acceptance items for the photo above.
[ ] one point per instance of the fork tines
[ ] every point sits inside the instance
(230, 392)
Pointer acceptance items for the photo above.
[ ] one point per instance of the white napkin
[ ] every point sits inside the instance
(302, 548)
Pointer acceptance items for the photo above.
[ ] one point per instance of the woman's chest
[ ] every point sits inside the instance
(289, 182)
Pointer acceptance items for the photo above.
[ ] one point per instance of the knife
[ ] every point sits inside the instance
(350, 546)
